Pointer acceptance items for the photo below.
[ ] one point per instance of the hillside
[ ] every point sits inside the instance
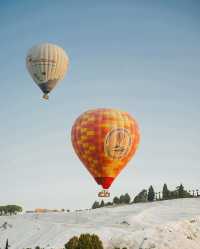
(171, 224)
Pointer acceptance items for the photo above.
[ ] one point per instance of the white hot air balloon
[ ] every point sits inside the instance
(47, 64)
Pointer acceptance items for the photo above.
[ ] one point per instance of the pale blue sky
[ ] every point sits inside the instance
(138, 56)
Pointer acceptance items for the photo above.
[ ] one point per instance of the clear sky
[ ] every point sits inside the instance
(138, 56)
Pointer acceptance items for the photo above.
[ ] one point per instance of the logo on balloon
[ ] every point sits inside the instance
(117, 143)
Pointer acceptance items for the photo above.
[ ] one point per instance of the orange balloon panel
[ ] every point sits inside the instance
(105, 140)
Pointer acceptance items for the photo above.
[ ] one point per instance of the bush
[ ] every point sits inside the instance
(116, 200)
(96, 242)
(72, 243)
(108, 204)
(95, 205)
(127, 198)
(141, 197)
(119, 248)
(85, 241)
(122, 199)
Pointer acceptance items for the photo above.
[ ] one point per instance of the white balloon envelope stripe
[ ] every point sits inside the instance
(47, 64)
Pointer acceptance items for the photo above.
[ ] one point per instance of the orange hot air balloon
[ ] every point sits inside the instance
(105, 140)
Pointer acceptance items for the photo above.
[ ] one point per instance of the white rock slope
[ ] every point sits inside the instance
(160, 225)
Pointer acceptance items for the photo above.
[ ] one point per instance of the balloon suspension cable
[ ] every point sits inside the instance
(104, 193)
(46, 96)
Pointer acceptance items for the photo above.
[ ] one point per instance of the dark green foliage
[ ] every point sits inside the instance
(72, 243)
(108, 204)
(102, 204)
(10, 209)
(95, 205)
(141, 197)
(181, 191)
(96, 242)
(127, 198)
(151, 194)
(165, 192)
(173, 194)
(119, 248)
(121, 199)
(85, 241)
(116, 200)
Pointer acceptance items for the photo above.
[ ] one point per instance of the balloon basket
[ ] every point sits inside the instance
(104, 193)
(45, 96)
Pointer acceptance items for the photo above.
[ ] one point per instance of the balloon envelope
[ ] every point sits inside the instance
(47, 64)
(105, 140)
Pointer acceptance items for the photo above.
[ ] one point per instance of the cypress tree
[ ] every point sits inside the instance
(102, 204)
(95, 205)
(151, 194)
(181, 191)
(165, 192)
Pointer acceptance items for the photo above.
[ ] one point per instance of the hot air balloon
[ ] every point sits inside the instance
(105, 140)
(47, 64)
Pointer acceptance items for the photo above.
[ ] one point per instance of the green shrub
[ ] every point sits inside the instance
(72, 243)
(85, 241)
(96, 242)
(119, 248)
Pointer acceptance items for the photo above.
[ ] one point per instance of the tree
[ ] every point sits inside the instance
(108, 204)
(84, 241)
(102, 204)
(7, 245)
(1, 210)
(173, 194)
(141, 197)
(121, 199)
(127, 198)
(95, 205)
(96, 242)
(10, 209)
(72, 243)
(116, 200)
(165, 192)
(181, 191)
(151, 194)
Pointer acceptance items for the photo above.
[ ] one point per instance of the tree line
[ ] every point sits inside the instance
(10, 210)
(123, 199)
(149, 196)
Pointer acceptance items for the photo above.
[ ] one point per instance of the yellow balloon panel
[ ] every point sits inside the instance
(105, 140)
